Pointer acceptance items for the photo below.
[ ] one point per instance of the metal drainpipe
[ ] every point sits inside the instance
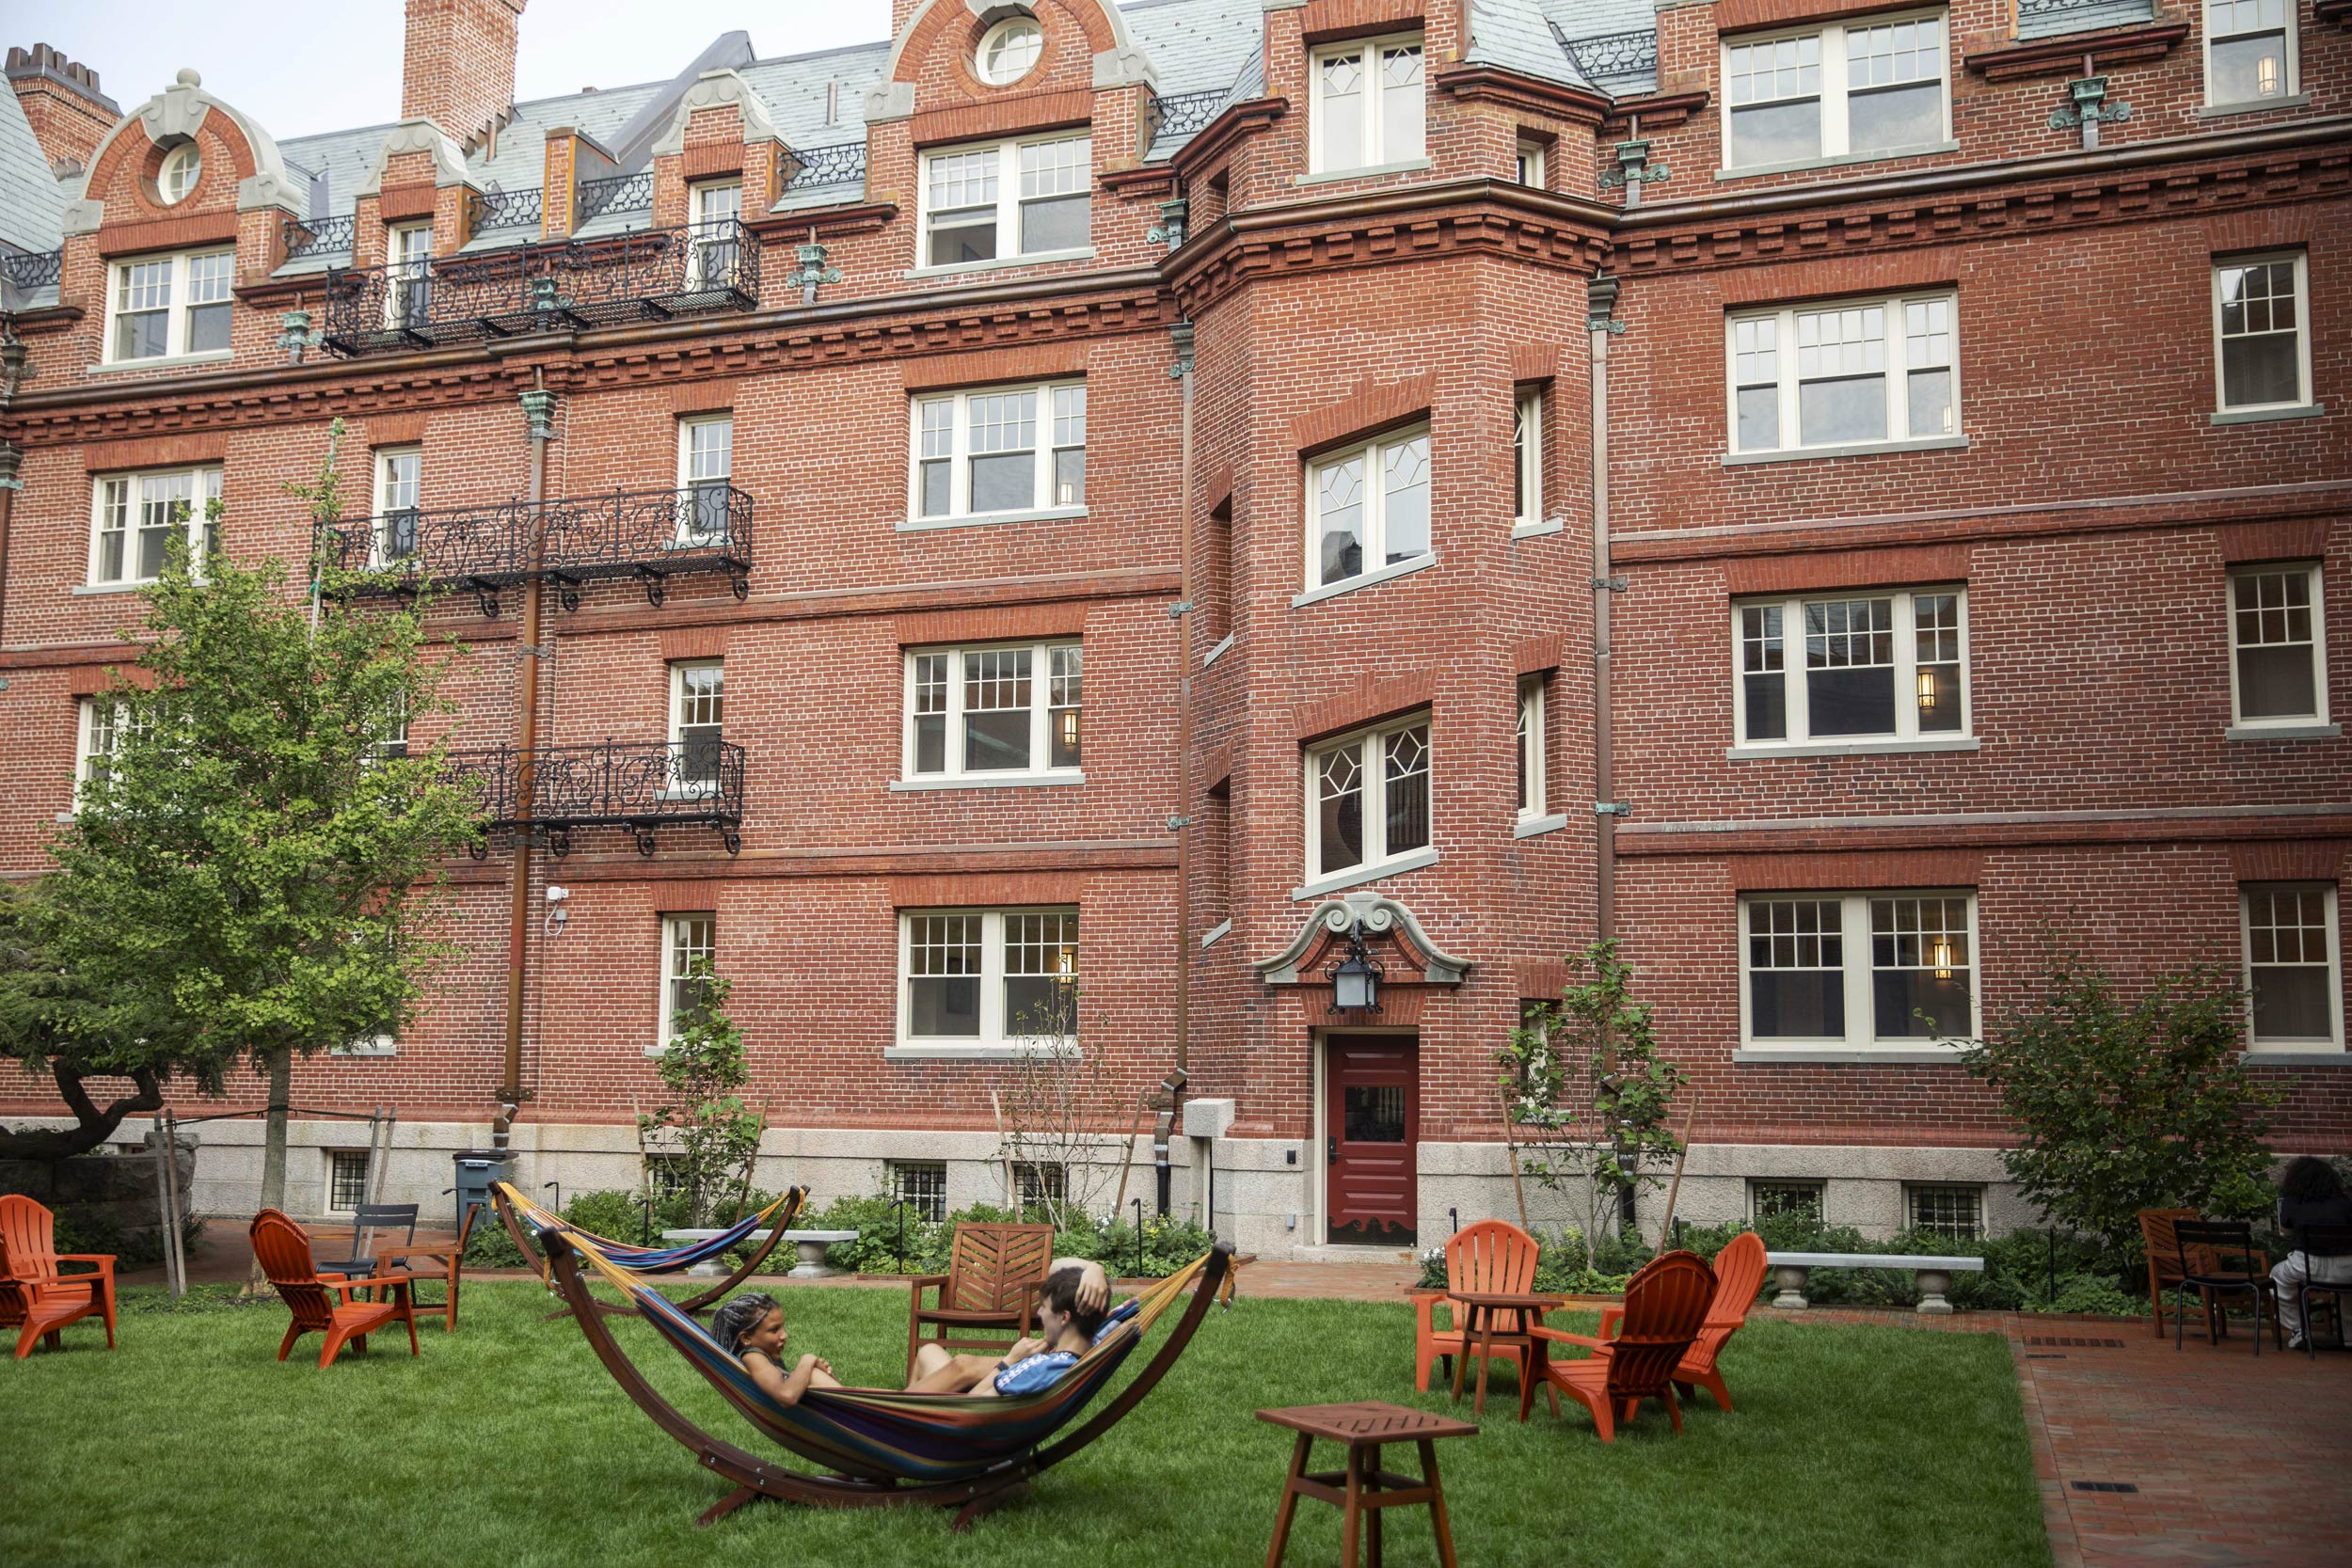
(10, 458)
(1602, 296)
(1180, 822)
(539, 408)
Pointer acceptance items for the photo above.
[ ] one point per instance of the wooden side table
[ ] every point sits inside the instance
(1363, 1489)
(1479, 1309)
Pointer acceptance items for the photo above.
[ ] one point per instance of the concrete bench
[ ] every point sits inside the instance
(1790, 1270)
(809, 1245)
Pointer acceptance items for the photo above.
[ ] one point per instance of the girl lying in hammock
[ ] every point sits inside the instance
(751, 1328)
(1069, 1303)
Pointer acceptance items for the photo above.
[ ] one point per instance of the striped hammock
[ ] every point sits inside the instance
(645, 1260)
(885, 1436)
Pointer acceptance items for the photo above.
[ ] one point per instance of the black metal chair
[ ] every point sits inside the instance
(2318, 1243)
(2212, 1244)
(366, 1221)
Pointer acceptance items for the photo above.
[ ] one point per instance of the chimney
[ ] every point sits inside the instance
(68, 115)
(458, 67)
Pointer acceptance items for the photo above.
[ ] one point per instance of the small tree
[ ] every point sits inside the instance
(2123, 1104)
(1057, 1101)
(56, 1021)
(713, 1135)
(1587, 1095)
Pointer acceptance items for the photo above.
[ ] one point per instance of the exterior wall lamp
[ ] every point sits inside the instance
(1355, 976)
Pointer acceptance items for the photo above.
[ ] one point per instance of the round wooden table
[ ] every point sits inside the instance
(1479, 1309)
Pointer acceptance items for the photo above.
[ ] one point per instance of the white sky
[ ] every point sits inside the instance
(329, 65)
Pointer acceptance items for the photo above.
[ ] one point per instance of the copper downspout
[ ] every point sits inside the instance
(538, 406)
(1180, 821)
(1602, 294)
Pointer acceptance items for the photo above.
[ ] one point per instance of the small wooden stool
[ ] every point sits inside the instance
(1364, 1488)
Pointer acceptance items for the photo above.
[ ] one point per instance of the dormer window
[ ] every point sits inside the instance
(1008, 50)
(181, 166)
(169, 307)
(1837, 94)
(1367, 100)
(1029, 199)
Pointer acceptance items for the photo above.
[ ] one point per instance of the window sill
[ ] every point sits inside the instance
(2292, 101)
(64, 817)
(982, 519)
(2313, 1054)
(2264, 415)
(973, 1050)
(1925, 149)
(1364, 580)
(1324, 177)
(162, 362)
(1841, 1057)
(1858, 448)
(1852, 748)
(365, 1051)
(1536, 827)
(1358, 876)
(112, 587)
(988, 780)
(1216, 933)
(2284, 732)
(1224, 646)
(998, 263)
(1538, 530)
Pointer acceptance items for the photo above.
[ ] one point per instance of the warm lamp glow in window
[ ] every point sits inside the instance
(1940, 958)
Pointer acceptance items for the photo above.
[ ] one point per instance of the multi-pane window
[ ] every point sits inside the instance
(399, 471)
(1367, 99)
(2249, 51)
(1527, 163)
(408, 275)
(181, 167)
(1770, 1200)
(2277, 643)
(391, 736)
(170, 305)
(922, 1186)
(689, 942)
(988, 977)
(705, 467)
(1368, 507)
(999, 451)
(1863, 666)
(1036, 1185)
(698, 719)
(1367, 798)
(2261, 354)
(346, 1181)
(100, 729)
(1010, 711)
(1008, 50)
(1008, 200)
(1530, 746)
(1862, 90)
(139, 515)
(1858, 969)
(716, 239)
(1527, 456)
(2293, 964)
(1945, 1209)
(1844, 374)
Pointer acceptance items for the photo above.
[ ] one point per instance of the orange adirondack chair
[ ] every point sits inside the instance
(1738, 1274)
(283, 1248)
(36, 1295)
(1665, 1306)
(1491, 1255)
(988, 1289)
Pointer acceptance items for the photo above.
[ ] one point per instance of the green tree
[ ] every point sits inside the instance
(2129, 1103)
(712, 1137)
(54, 1020)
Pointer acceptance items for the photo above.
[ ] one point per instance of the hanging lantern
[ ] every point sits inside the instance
(1355, 977)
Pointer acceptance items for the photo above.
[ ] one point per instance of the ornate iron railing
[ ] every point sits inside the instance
(317, 237)
(636, 785)
(504, 209)
(836, 165)
(617, 192)
(1609, 55)
(2056, 7)
(645, 535)
(33, 269)
(647, 274)
(1183, 113)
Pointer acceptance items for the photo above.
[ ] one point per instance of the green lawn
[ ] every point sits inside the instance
(508, 1445)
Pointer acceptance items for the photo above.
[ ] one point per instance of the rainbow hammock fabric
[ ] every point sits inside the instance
(644, 1260)
(885, 1436)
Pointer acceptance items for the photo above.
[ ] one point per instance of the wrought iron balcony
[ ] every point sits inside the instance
(648, 274)
(1184, 113)
(618, 193)
(318, 237)
(808, 167)
(487, 210)
(1617, 54)
(639, 786)
(33, 269)
(646, 535)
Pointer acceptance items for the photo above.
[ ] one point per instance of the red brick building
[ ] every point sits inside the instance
(1232, 476)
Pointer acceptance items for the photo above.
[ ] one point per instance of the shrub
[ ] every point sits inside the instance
(1168, 1244)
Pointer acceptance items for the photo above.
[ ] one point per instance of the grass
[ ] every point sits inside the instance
(508, 1443)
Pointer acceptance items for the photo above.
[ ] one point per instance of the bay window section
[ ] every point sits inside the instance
(1006, 201)
(1858, 970)
(2293, 969)
(1368, 508)
(1368, 803)
(138, 516)
(1888, 666)
(1878, 88)
(998, 453)
(1004, 714)
(1851, 375)
(1367, 103)
(986, 982)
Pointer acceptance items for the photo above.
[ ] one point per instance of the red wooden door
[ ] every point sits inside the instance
(1372, 1122)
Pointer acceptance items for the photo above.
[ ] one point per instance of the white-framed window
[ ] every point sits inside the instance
(706, 471)
(1527, 457)
(1367, 798)
(1036, 1183)
(1865, 88)
(1368, 506)
(1528, 163)
(2278, 645)
(1857, 970)
(1844, 374)
(1367, 102)
(698, 719)
(998, 451)
(1532, 737)
(1027, 197)
(1873, 664)
(2294, 965)
(2262, 355)
(391, 736)
(687, 941)
(716, 240)
(1776, 1198)
(1945, 1209)
(1008, 50)
(922, 1186)
(137, 516)
(409, 275)
(346, 1179)
(99, 725)
(2249, 51)
(988, 978)
(163, 306)
(399, 473)
(1009, 710)
(181, 167)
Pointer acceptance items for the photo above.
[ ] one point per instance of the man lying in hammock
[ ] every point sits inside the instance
(1069, 1303)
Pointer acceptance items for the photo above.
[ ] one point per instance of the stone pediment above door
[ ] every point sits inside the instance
(1410, 956)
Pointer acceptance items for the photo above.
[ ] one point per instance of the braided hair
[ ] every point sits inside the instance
(739, 1316)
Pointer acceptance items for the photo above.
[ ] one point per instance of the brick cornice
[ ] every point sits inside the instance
(1218, 137)
(855, 217)
(1493, 85)
(1659, 111)
(125, 239)
(2053, 830)
(2063, 57)
(1003, 117)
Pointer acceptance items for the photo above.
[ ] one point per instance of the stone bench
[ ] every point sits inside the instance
(1791, 1269)
(809, 1245)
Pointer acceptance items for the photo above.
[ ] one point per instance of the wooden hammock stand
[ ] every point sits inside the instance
(788, 1211)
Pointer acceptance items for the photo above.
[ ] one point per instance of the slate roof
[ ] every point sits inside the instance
(32, 200)
(1517, 35)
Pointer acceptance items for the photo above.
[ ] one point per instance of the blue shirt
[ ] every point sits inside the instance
(1040, 1371)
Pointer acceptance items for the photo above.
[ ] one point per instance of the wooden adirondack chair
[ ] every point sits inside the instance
(37, 1297)
(1738, 1274)
(988, 1289)
(1491, 1255)
(1665, 1306)
(283, 1249)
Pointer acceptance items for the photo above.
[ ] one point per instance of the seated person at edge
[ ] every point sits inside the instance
(1069, 1303)
(2310, 1192)
(750, 1327)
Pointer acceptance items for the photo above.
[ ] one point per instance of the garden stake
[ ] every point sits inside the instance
(1134, 1134)
(175, 1254)
(1511, 1142)
(1138, 1238)
(1675, 1189)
